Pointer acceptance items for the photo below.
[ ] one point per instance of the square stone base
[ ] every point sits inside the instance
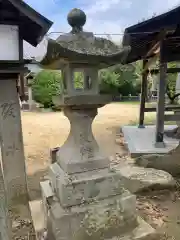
(112, 218)
(79, 188)
(141, 141)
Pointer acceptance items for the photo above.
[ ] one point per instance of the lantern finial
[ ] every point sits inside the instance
(76, 19)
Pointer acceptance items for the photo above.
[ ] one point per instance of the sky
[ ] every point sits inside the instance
(103, 16)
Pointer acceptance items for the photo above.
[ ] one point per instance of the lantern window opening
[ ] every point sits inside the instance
(78, 79)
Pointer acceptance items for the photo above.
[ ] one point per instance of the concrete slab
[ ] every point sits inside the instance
(141, 141)
(37, 215)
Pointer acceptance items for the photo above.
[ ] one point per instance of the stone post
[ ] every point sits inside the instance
(31, 102)
(12, 152)
(12, 148)
(5, 229)
(30, 99)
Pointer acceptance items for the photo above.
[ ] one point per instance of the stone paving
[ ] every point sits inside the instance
(141, 141)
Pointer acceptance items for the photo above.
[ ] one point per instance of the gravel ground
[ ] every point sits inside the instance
(43, 131)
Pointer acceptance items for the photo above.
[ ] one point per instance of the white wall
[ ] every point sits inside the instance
(9, 42)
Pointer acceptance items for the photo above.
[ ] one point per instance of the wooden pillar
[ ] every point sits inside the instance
(161, 100)
(143, 95)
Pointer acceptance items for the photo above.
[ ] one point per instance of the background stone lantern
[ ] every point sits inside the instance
(84, 197)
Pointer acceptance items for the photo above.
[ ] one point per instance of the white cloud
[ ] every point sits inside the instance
(160, 6)
(102, 6)
(103, 16)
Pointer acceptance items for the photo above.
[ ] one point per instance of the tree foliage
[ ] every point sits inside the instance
(45, 85)
(109, 82)
(171, 84)
(120, 79)
(116, 80)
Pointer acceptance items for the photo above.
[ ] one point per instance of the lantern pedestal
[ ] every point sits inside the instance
(85, 198)
(81, 152)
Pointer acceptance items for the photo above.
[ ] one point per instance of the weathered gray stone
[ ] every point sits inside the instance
(169, 162)
(47, 198)
(140, 141)
(83, 187)
(136, 179)
(96, 220)
(80, 152)
(114, 219)
(5, 230)
(38, 215)
(12, 148)
(142, 232)
(89, 201)
(82, 99)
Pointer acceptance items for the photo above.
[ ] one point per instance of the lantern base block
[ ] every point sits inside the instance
(110, 218)
(75, 189)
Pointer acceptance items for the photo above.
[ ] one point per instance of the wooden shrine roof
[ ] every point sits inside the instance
(142, 36)
(32, 24)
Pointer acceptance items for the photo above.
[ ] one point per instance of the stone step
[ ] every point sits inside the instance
(38, 215)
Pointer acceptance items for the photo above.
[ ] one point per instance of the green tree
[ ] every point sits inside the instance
(78, 83)
(120, 79)
(128, 78)
(45, 85)
(109, 82)
(171, 84)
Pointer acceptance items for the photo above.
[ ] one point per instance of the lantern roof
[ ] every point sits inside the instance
(33, 26)
(79, 46)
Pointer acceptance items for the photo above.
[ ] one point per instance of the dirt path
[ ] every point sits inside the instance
(161, 210)
(43, 131)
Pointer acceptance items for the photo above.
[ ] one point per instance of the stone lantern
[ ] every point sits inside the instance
(84, 198)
